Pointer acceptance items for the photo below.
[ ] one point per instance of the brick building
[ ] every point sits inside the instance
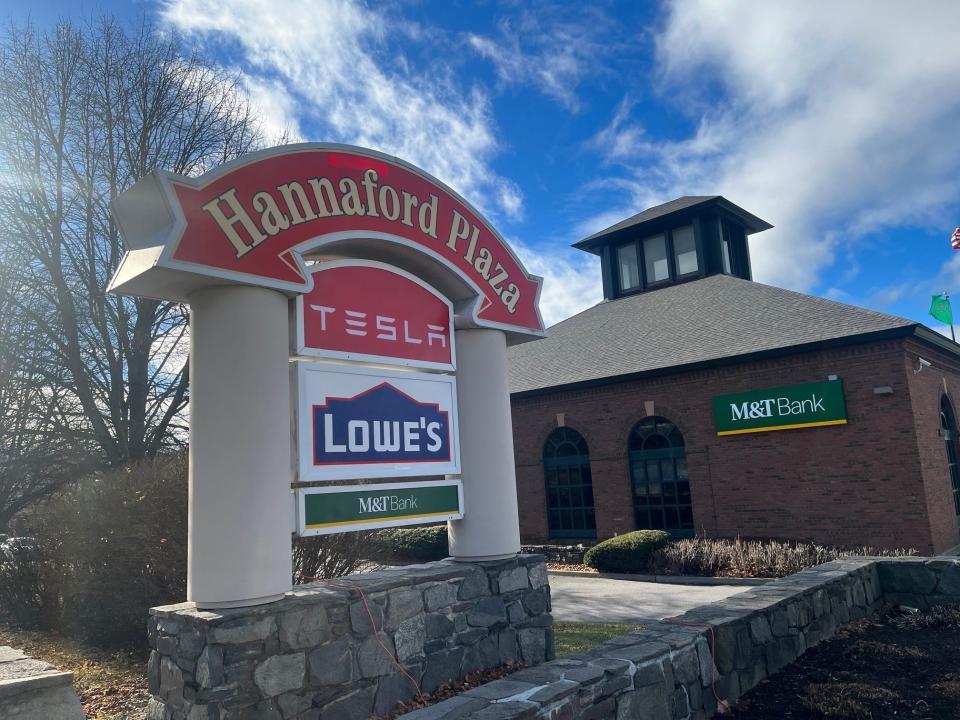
(695, 400)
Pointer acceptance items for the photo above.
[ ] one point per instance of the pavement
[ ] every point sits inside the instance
(601, 600)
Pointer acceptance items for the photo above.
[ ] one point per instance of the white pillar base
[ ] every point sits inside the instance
(239, 549)
(490, 528)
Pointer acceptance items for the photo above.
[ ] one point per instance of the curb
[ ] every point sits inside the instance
(664, 579)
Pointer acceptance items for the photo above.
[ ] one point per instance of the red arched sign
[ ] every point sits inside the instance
(249, 220)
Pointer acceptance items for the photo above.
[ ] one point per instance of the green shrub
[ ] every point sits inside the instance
(24, 599)
(115, 545)
(626, 553)
(734, 557)
(416, 544)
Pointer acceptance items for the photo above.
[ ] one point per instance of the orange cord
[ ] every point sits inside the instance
(376, 631)
(722, 705)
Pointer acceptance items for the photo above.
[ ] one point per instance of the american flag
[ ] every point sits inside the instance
(955, 239)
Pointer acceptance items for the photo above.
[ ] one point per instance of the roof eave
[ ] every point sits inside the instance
(595, 243)
(875, 336)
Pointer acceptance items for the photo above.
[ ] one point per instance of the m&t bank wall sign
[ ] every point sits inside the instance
(782, 408)
(357, 422)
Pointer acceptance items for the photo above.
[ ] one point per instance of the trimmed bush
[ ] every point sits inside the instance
(416, 544)
(626, 553)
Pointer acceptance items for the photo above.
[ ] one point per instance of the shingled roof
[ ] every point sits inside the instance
(710, 319)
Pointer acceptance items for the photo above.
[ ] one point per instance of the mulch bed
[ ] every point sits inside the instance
(891, 665)
(570, 566)
(445, 692)
(111, 685)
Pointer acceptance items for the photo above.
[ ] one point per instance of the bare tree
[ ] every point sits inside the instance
(85, 111)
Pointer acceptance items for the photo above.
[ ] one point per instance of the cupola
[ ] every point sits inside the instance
(682, 240)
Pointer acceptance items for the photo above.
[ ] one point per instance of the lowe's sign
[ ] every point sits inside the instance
(357, 422)
(781, 408)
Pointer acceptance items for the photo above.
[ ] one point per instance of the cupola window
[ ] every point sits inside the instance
(685, 251)
(655, 255)
(629, 266)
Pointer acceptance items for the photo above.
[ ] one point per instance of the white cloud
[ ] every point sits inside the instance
(571, 279)
(326, 67)
(548, 49)
(828, 121)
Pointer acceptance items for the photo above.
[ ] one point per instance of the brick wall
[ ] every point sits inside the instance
(873, 481)
(926, 389)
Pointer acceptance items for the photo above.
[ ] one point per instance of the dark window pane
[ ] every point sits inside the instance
(672, 518)
(579, 520)
(685, 250)
(628, 267)
(588, 496)
(576, 497)
(686, 517)
(656, 442)
(656, 519)
(591, 520)
(564, 497)
(587, 475)
(667, 469)
(670, 493)
(655, 258)
(653, 471)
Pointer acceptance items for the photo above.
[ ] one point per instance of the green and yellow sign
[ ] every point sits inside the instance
(781, 408)
(333, 509)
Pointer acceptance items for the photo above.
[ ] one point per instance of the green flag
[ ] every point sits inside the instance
(941, 310)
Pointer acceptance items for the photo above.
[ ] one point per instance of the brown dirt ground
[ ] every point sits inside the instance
(111, 686)
(890, 665)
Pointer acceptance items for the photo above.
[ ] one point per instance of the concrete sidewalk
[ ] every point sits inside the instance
(600, 600)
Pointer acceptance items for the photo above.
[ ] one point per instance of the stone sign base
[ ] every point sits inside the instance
(314, 654)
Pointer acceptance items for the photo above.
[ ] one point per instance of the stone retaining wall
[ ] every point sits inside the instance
(314, 654)
(677, 670)
(34, 690)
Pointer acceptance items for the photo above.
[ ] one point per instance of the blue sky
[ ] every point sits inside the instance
(838, 123)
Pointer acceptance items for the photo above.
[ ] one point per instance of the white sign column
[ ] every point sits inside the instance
(239, 517)
(490, 527)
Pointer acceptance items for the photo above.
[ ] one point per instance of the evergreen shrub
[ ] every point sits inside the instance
(629, 552)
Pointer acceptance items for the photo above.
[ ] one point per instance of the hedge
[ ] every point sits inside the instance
(626, 553)
(415, 544)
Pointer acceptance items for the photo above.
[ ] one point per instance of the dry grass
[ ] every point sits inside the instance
(111, 685)
(750, 558)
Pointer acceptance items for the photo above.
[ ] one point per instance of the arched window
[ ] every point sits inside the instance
(948, 423)
(658, 473)
(566, 466)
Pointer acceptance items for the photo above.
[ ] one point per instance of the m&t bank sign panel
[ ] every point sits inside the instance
(325, 510)
(781, 408)
(357, 422)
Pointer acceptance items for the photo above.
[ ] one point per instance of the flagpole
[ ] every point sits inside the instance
(953, 335)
